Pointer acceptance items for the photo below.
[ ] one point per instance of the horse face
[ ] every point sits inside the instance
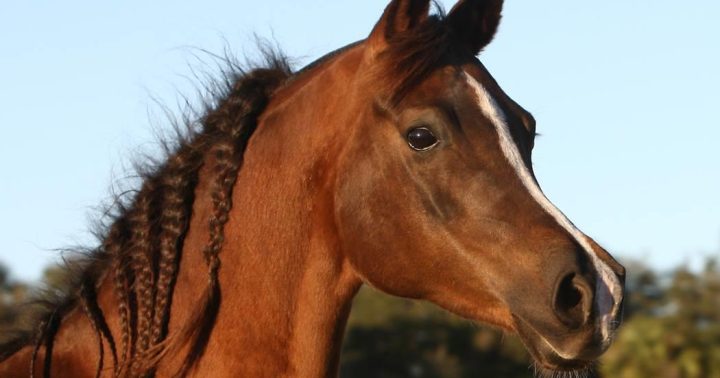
(438, 201)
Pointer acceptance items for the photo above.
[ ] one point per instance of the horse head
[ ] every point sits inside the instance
(436, 198)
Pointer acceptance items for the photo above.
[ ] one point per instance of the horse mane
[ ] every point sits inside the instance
(142, 240)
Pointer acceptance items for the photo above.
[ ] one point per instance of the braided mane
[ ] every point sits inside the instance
(142, 243)
(141, 247)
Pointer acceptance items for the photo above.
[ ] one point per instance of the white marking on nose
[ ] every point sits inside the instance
(608, 291)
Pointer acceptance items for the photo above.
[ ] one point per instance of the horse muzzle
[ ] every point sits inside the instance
(583, 322)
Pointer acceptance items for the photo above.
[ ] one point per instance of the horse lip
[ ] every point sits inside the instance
(543, 352)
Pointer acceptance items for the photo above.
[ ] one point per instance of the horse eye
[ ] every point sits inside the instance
(421, 139)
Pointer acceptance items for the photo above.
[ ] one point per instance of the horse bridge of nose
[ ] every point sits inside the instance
(608, 289)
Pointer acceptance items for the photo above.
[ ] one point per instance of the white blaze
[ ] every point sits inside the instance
(608, 292)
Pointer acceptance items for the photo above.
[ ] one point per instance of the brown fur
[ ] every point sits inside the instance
(241, 253)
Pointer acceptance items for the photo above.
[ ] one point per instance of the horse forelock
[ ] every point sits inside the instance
(411, 56)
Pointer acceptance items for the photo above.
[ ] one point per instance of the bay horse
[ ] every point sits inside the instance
(396, 162)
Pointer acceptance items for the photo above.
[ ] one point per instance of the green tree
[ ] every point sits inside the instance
(679, 337)
(11, 294)
(392, 337)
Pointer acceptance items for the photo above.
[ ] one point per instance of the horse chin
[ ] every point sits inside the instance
(546, 360)
(545, 372)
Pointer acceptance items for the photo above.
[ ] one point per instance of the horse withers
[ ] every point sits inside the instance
(396, 162)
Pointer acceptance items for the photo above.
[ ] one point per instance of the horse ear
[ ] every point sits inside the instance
(400, 16)
(475, 22)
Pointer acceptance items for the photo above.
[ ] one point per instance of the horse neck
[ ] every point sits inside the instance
(287, 290)
(286, 287)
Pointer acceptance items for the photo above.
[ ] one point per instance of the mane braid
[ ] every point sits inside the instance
(140, 252)
(235, 121)
(177, 186)
(87, 300)
(141, 263)
(46, 338)
(121, 280)
(178, 197)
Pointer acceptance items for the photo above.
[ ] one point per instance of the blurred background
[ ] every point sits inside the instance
(625, 94)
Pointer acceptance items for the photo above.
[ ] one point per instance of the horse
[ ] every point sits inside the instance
(396, 162)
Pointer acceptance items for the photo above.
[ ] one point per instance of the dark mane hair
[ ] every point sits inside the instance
(141, 244)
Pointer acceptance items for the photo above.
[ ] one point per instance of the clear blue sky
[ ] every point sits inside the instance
(626, 94)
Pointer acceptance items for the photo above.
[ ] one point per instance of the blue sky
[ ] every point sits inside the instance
(626, 94)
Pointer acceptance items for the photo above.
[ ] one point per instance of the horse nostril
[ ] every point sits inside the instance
(571, 301)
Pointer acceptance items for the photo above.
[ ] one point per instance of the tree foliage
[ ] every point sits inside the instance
(390, 337)
(676, 334)
(671, 330)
